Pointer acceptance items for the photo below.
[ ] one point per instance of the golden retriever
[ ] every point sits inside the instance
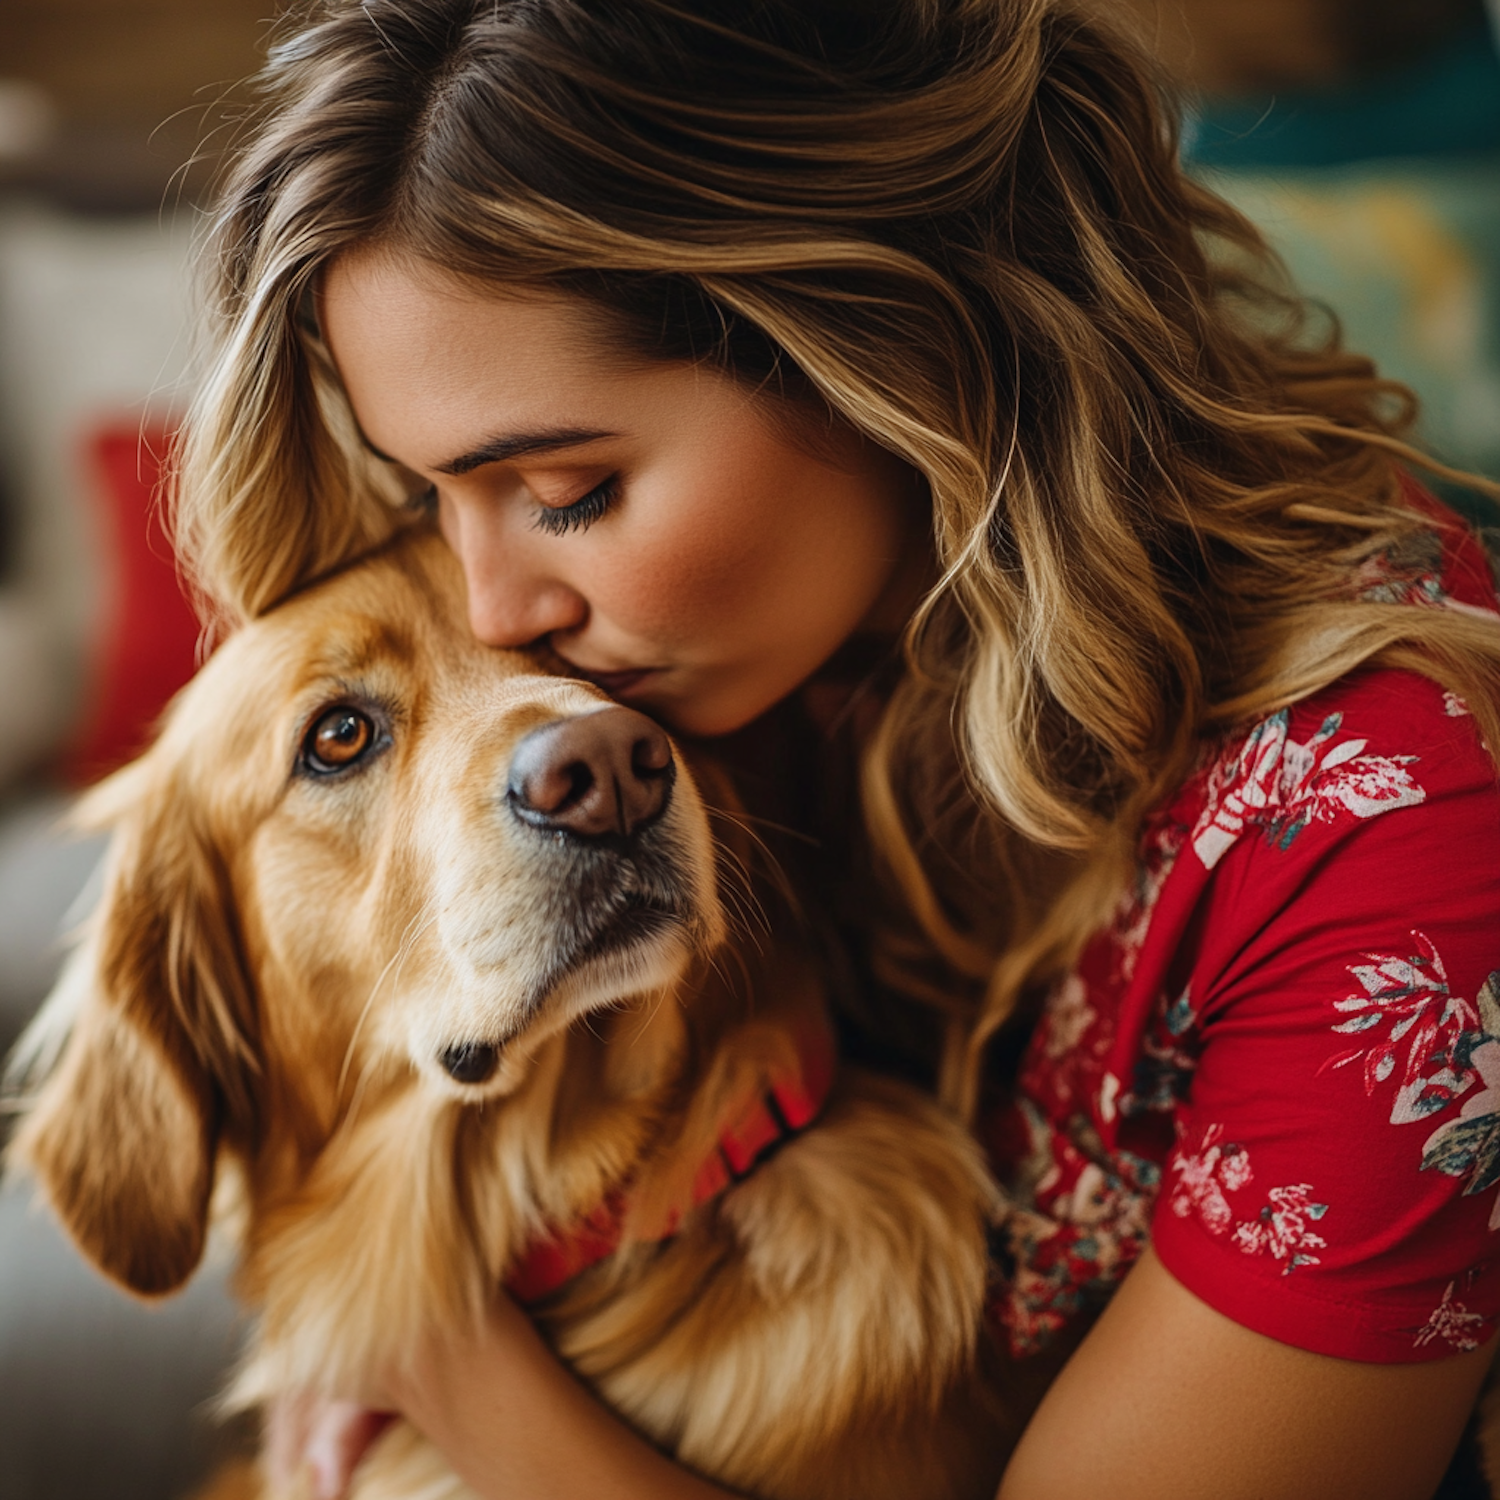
(421, 954)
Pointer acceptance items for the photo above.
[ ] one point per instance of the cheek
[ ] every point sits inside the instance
(739, 540)
(699, 581)
(312, 950)
(683, 573)
(311, 892)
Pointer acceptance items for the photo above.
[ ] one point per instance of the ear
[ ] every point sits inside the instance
(121, 1139)
(123, 1132)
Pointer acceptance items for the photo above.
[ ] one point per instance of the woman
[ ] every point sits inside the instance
(726, 341)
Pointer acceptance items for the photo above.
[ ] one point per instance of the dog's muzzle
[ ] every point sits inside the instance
(596, 783)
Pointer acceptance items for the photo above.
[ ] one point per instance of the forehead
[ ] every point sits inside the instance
(432, 364)
(389, 315)
(408, 595)
(374, 292)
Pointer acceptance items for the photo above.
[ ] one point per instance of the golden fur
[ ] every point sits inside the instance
(262, 999)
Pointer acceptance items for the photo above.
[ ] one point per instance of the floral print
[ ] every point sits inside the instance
(1082, 1220)
(1469, 1146)
(1163, 1076)
(1107, 1085)
(1078, 1221)
(1161, 844)
(1453, 1323)
(1280, 1229)
(1408, 994)
(1409, 573)
(1272, 782)
(1069, 1018)
(1450, 1045)
(1206, 1176)
(1412, 573)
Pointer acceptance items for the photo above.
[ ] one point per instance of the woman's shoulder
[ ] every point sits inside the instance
(1278, 1047)
(1371, 805)
(1298, 784)
(1351, 746)
(1378, 739)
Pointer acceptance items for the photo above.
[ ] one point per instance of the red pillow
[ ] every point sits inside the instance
(146, 641)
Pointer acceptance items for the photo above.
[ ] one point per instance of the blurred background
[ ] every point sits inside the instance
(103, 106)
(1363, 135)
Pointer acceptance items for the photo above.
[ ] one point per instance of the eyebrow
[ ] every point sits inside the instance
(517, 444)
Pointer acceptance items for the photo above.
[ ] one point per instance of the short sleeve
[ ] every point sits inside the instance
(1335, 1181)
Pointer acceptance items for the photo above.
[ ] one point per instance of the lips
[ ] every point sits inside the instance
(616, 684)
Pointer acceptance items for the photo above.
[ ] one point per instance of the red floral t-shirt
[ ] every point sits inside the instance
(1280, 1064)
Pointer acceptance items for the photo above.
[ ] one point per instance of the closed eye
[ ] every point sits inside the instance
(582, 513)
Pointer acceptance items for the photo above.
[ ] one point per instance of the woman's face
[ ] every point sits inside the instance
(653, 523)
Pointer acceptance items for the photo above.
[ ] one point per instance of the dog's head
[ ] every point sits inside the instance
(365, 847)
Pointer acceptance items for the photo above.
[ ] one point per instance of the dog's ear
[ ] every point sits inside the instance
(123, 1131)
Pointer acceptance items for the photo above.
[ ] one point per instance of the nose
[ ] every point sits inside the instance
(505, 617)
(512, 600)
(606, 772)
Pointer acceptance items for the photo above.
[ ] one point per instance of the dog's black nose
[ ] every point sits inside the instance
(609, 771)
(471, 1062)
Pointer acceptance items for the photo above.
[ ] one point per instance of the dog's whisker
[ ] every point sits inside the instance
(746, 825)
(744, 820)
(730, 858)
(746, 978)
(738, 896)
(747, 927)
(748, 908)
(773, 868)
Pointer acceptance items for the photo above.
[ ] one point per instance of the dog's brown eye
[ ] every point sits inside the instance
(338, 739)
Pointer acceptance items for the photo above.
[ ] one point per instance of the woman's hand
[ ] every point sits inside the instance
(512, 1421)
(321, 1437)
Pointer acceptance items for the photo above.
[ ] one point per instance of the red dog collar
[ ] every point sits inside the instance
(791, 1102)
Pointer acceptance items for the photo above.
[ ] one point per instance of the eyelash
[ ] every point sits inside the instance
(582, 513)
(556, 520)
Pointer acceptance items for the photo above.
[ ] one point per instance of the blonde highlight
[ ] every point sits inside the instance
(963, 227)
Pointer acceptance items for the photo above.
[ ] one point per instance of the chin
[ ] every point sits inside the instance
(704, 723)
(696, 709)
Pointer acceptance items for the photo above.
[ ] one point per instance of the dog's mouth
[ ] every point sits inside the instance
(638, 920)
(610, 909)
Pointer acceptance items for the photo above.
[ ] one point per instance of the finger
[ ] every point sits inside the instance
(286, 1435)
(341, 1434)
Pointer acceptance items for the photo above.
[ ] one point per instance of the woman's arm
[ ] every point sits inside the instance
(1166, 1397)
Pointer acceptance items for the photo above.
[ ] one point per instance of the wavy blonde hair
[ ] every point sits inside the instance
(961, 226)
